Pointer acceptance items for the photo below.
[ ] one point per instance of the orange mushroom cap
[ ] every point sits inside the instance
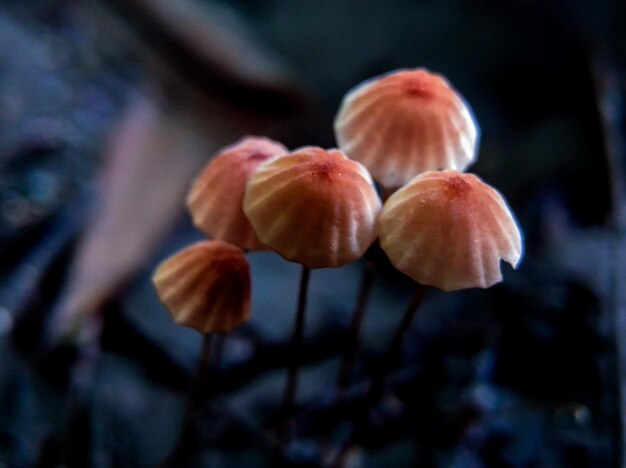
(206, 286)
(314, 207)
(404, 123)
(449, 230)
(216, 197)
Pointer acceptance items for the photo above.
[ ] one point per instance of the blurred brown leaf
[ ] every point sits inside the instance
(214, 85)
(149, 163)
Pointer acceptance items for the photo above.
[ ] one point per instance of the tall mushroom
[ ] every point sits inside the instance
(444, 229)
(399, 125)
(448, 230)
(315, 207)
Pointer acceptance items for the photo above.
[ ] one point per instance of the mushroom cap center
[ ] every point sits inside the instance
(324, 169)
(457, 186)
(418, 86)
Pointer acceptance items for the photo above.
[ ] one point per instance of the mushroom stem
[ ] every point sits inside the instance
(395, 345)
(185, 441)
(296, 344)
(195, 397)
(356, 321)
(375, 389)
(218, 350)
(291, 387)
(407, 320)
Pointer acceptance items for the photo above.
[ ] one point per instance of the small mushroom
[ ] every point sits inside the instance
(314, 207)
(206, 286)
(404, 123)
(216, 198)
(449, 230)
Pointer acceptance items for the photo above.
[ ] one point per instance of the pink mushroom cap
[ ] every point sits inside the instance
(314, 207)
(449, 230)
(206, 286)
(215, 200)
(404, 123)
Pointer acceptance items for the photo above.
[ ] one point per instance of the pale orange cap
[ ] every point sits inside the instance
(314, 207)
(206, 286)
(449, 230)
(216, 197)
(404, 123)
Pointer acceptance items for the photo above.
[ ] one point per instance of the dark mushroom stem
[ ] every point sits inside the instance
(186, 437)
(356, 321)
(376, 387)
(395, 345)
(291, 387)
(218, 351)
(296, 345)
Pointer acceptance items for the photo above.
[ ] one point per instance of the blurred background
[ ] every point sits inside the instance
(109, 108)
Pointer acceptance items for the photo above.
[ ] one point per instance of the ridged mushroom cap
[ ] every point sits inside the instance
(206, 286)
(404, 123)
(449, 230)
(215, 200)
(314, 207)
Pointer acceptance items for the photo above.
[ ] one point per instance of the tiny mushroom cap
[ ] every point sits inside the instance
(449, 230)
(314, 207)
(206, 286)
(216, 197)
(404, 123)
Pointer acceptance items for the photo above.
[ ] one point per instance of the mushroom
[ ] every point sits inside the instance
(314, 207)
(443, 229)
(449, 230)
(216, 197)
(318, 208)
(206, 286)
(404, 123)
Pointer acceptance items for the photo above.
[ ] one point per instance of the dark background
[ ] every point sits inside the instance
(107, 110)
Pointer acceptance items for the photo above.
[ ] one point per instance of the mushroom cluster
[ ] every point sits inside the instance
(313, 206)
(442, 228)
(415, 134)
(410, 132)
(198, 284)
